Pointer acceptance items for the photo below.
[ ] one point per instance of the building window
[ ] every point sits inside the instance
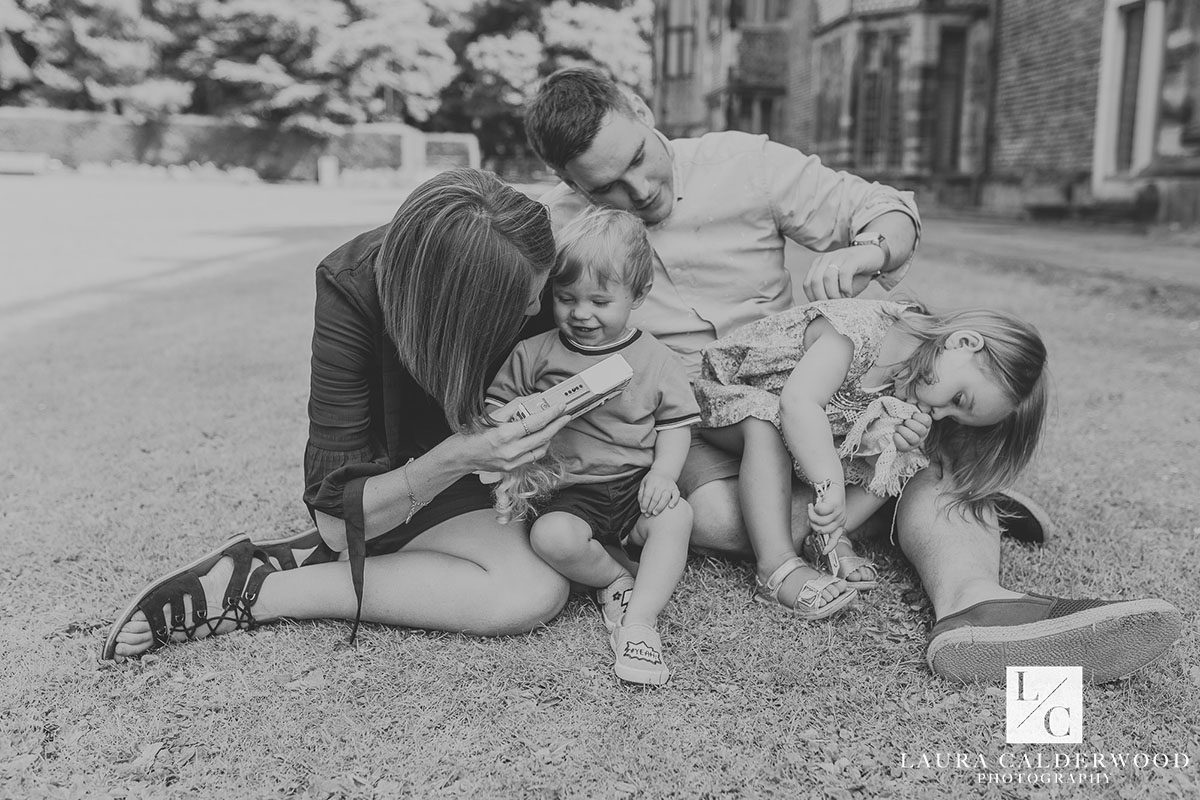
(830, 73)
(1148, 102)
(679, 45)
(950, 88)
(1179, 98)
(878, 143)
(776, 10)
(681, 53)
(754, 112)
(1133, 20)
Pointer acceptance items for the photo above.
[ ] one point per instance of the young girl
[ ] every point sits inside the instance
(621, 460)
(799, 381)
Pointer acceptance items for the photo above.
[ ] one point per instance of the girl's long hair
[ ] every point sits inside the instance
(455, 272)
(982, 461)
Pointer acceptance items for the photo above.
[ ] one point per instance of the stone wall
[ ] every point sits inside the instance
(79, 137)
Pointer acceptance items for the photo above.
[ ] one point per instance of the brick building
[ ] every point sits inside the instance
(1098, 106)
(1043, 105)
(721, 64)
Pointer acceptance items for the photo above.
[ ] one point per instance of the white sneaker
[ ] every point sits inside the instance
(638, 649)
(613, 600)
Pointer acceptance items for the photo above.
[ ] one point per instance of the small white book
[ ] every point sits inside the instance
(584, 391)
(581, 392)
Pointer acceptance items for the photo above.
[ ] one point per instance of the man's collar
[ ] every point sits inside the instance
(676, 174)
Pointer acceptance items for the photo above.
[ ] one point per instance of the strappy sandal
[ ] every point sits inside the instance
(846, 565)
(282, 552)
(240, 595)
(804, 603)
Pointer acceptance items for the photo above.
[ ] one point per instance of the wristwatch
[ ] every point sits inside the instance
(878, 239)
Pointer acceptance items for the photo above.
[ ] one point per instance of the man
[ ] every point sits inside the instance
(717, 210)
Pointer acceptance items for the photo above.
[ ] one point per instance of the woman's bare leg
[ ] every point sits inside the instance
(470, 574)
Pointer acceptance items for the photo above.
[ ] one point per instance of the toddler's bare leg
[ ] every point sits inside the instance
(564, 541)
(664, 540)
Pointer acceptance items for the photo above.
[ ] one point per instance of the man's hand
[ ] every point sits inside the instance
(657, 493)
(912, 432)
(843, 273)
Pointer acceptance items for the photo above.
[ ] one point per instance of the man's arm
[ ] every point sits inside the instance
(825, 209)
(847, 272)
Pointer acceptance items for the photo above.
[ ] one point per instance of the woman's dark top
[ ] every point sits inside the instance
(367, 415)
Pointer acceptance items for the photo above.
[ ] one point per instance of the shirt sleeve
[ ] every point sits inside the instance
(514, 378)
(823, 209)
(339, 447)
(677, 407)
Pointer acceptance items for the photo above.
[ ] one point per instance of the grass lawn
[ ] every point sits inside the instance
(140, 433)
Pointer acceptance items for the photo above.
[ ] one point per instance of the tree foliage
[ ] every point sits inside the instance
(316, 65)
(510, 44)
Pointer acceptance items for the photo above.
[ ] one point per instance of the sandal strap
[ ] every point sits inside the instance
(237, 603)
(171, 593)
(850, 563)
(775, 581)
(812, 589)
(239, 608)
(242, 553)
(846, 564)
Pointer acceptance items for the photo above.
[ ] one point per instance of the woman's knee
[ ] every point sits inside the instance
(530, 595)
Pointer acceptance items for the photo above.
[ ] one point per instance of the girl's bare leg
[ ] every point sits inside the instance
(860, 506)
(765, 495)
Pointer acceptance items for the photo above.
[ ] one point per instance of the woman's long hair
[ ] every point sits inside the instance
(982, 461)
(518, 492)
(455, 273)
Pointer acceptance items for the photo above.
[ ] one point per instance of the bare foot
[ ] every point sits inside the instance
(135, 637)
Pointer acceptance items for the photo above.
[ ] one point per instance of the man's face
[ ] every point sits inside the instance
(627, 167)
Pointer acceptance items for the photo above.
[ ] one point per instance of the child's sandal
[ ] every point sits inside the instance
(847, 565)
(804, 603)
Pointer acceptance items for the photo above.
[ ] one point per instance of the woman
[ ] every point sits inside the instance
(412, 321)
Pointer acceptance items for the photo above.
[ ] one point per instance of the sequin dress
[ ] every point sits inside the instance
(742, 374)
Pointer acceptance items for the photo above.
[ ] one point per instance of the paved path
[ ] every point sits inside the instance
(1081, 249)
(72, 243)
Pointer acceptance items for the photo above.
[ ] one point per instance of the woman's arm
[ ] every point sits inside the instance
(388, 498)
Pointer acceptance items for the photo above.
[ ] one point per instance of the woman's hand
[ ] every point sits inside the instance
(515, 441)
